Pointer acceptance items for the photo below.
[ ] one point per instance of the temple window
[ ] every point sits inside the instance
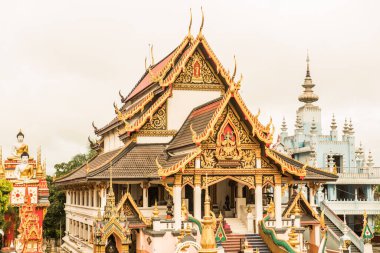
(338, 161)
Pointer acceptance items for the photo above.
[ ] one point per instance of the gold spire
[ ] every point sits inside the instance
(191, 22)
(151, 54)
(155, 210)
(208, 244)
(308, 96)
(297, 210)
(203, 20)
(293, 237)
(235, 67)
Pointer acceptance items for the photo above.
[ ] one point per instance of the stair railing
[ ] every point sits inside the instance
(355, 239)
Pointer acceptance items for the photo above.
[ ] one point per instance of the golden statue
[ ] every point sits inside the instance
(19, 148)
(24, 171)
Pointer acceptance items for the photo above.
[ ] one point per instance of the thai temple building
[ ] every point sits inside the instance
(352, 194)
(184, 166)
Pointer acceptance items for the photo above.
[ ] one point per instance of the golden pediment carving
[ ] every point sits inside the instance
(229, 145)
(197, 71)
(158, 121)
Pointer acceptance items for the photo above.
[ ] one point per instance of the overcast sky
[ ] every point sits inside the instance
(62, 63)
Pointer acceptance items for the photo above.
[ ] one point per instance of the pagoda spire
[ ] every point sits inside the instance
(351, 130)
(370, 162)
(308, 96)
(284, 128)
(333, 123)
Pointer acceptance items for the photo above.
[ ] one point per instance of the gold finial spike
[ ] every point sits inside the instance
(365, 215)
(146, 67)
(39, 155)
(203, 21)
(308, 62)
(1, 154)
(191, 22)
(111, 175)
(235, 67)
(151, 54)
(121, 96)
(155, 210)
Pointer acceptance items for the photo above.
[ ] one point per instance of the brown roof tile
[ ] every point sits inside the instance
(135, 161)
(198, 118)
(311, 173)
(80, 173)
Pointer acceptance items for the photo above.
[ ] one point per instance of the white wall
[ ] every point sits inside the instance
(183, 101)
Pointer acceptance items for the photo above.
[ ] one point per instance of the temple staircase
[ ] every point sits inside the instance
(238, 236)
(335, 227)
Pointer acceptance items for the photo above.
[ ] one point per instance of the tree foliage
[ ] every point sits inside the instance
(55, 222)
(78, 160)
(5, 190)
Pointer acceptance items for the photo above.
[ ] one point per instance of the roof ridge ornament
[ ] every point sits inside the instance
(191, 22)
(235, 66)
(121, 96)
(202, 23)
(93, 125)
(151, 54)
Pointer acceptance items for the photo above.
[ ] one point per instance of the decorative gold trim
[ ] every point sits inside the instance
(157, 132)
(245, 180)
(301, 196)
(128, 196)
(188, 180)
(164, 172)
(139, 123)
(285, 166)
(198, 87)
(139, 107)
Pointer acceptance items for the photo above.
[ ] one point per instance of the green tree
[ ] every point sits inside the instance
(5, 190)
(78, 160)
(54, 222)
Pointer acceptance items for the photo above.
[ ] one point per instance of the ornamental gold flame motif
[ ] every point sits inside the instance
(228, 143)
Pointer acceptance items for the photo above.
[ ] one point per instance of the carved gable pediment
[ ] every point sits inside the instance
(158, 121)
(230, 144)
(197, 71)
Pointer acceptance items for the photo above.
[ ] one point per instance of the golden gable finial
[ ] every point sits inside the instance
(151, 54)
(193, 133)
(235, 66)
(203, 20)
(191, 22)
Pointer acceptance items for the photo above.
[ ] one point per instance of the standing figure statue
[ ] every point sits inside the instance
(19, 148)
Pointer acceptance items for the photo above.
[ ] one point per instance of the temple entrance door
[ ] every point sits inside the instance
(132, 247)
(189, 194)
(112, 245)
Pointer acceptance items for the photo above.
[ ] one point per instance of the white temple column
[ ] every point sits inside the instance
(277, 201)
(79, 197)
(312, 196)
(67, 225)
(240, 202)
(68, 199)
(103, 199)
(95, 197)
(85, 195)
(258, 203)
(177, 202)
(145, 187)
(240, 190)
(197, 198)
(90, 197)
